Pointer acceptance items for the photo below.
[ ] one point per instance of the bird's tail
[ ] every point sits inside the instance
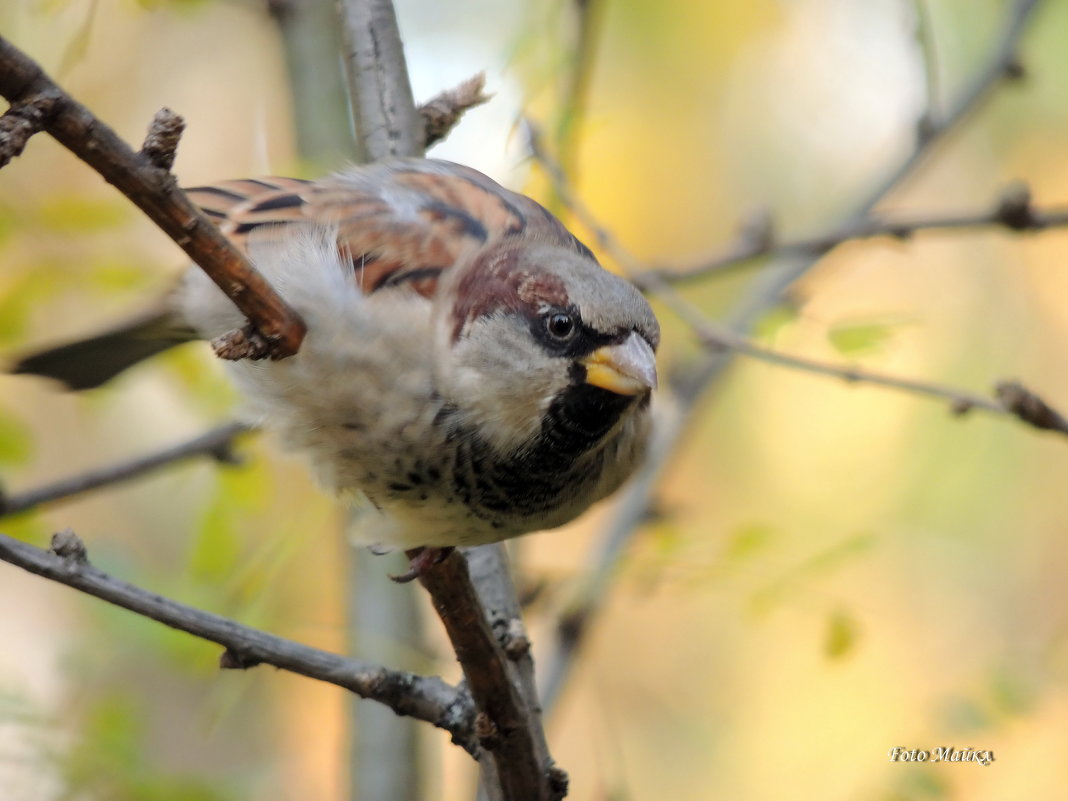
(91, 362)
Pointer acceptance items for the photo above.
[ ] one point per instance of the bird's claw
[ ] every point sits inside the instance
(420, 560)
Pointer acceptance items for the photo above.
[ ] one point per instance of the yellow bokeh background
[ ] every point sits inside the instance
(836, 569)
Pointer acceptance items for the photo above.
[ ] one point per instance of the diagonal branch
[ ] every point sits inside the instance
(508, 726)
(425, 698)
(216, 444)
(144, 178)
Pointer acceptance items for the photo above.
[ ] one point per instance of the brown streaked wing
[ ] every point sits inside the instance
(416, 217)
(402, 222)
(229, 201)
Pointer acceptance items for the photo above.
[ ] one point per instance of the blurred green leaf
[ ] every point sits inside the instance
(247, 487)
(776, 319)
(843, 633)
(153, 5)
(208, 386)
(27, 527)
(8, 223)
(111, 760)
(52, 6)
(217, 547)
(748, 541)
(668, 538)
(67, 214)
(857, 337)
(19, 299)
(78, 44)
(16, 708)
(964, 715)
(922, 784)
(1012, 692)
(110, 275)
(792, 581)
(15, 443)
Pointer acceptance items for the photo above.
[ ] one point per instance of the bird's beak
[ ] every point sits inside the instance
(628, 368)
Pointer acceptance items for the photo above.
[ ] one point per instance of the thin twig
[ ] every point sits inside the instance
(161, 143)
(588, 18)
(443, 111)
(929, 64)
(426, 698)
(151, 187)
(19, 123)
(1012, 398)
(1028, 407)
(216, 443)
(1012, 211)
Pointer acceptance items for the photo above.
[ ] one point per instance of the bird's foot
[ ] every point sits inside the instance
(421, 560)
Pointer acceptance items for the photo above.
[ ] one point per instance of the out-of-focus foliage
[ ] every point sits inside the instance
(114, 760)
(832, 570)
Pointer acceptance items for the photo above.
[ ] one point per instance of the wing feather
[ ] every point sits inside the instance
(403, 223)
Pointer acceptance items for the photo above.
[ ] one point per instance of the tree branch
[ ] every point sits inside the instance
(37, 103)
(508, 725)
(387, 124)
(216, 443)
(1013, 211)
(425, 698)
(1013, 399)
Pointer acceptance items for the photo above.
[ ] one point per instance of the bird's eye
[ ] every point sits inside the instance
(560, 325)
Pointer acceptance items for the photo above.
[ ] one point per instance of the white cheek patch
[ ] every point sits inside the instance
(501, 380)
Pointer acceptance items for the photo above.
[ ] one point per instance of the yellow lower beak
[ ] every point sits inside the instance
(628, 368)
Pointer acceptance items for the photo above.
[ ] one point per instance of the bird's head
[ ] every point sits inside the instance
(529, 330)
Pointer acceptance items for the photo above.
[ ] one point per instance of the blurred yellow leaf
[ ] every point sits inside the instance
(19, 299)
(857, 337)
(15, 443)
(27, 527)
(792, 581)
(68, 214)
(771, 323)
(749, 540)
(111, 275)
(843, 632)
(1012, 692)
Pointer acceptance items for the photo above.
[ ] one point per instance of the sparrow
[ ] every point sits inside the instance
(470, 372)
